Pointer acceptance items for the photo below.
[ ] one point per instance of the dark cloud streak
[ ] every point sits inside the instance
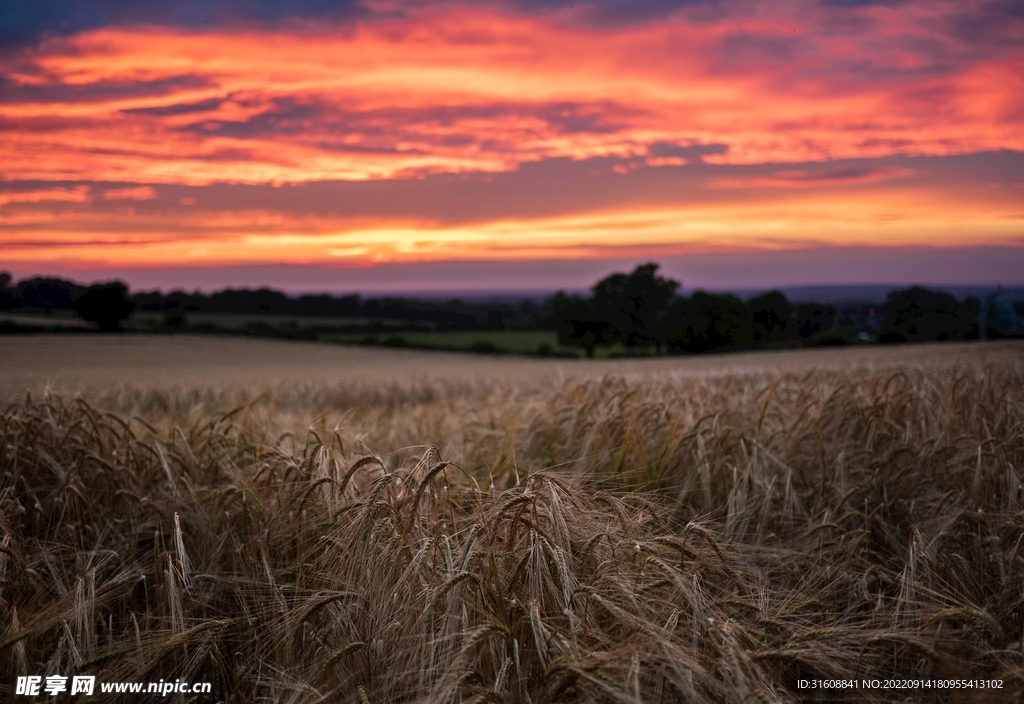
(24, 22)
(177, 109)
(11, 92)
(543, 189)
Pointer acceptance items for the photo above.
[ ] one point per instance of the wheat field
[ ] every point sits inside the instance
(303, 523)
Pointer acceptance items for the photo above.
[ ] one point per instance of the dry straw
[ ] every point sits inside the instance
(628, 540)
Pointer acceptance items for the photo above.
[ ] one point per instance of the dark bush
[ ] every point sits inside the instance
(174, 321)
(891, 337)
(828, 339)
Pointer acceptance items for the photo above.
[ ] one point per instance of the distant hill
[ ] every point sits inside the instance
(833, 295)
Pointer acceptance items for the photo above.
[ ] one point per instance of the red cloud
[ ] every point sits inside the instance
(475, 90)
(465, 91)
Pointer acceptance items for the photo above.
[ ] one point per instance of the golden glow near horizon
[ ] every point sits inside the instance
(99, 125)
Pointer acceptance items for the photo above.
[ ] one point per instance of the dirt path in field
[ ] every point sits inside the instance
(81, 363)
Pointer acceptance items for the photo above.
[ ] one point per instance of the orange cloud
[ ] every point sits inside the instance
(78, 194)
(135, 193)
(872, 217)
(776, 106)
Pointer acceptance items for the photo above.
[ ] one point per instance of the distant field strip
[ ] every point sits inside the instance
(104, 363)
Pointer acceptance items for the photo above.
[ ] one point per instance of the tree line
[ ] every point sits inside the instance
(642, 309)
(51, 294)
(106, 304)
(639, 312)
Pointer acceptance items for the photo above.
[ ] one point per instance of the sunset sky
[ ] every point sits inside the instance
(522, 144)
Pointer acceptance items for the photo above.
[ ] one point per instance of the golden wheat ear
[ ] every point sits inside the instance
(430, 459)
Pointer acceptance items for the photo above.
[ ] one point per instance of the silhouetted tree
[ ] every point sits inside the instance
(106, 305)
(635, 305)
(495, 320)
(772, 316)
(263, 300)
(707, 321)
(815, 319)
(970, 316)
(8, 298)
(918, 314)
(49, 293)
(324, 305)
(575, 320)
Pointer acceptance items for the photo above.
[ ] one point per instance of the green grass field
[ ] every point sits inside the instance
(499, 341)
(525, 342)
